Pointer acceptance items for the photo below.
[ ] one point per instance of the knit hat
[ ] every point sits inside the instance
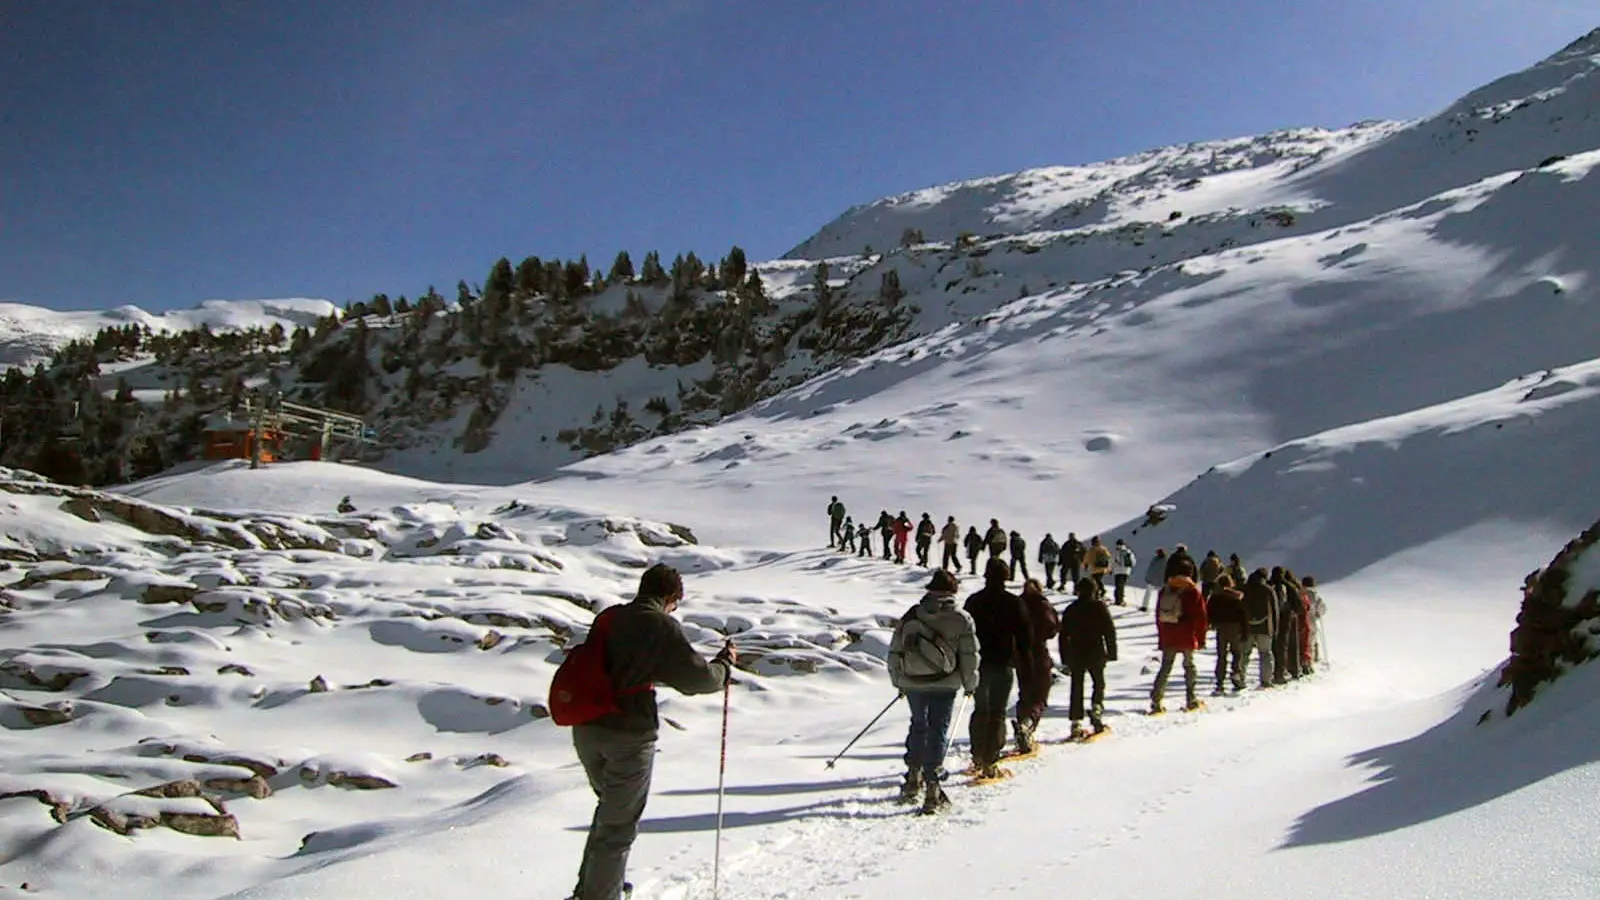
(942, 582)
(661, 582)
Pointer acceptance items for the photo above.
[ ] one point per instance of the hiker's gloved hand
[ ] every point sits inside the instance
(728, 656)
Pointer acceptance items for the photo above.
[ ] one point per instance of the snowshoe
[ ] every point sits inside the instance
(990, 774)
(1156, 709)
(934, 799)
(1194, 705)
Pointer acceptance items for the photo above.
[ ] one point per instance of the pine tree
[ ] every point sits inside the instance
(577, 277)
(530, 277)
(380, 305)
(754, 292)
(650, 272)
(822, 292)
(621, 268)
(734, 267)
(889, 290)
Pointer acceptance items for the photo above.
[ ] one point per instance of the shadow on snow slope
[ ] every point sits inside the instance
(1457, 766)
(1336, 503)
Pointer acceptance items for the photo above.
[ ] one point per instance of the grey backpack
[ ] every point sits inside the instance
(927, 655)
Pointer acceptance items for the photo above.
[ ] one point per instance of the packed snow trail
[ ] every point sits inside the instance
(1247, 768)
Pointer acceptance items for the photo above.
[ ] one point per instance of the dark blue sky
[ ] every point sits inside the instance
(163, 153)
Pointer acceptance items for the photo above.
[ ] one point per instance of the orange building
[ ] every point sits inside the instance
(228, 438)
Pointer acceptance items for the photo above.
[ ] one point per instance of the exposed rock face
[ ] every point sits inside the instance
(44, 716)
(1557, 627)
(360, 782)
(169, 593)
(219, 825)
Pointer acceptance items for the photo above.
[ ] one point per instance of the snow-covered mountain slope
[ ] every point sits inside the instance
(398, 617)
(1344, 175)
(1425, 474)
(1077, 407)
(1193, 179)
(29, 334)
(1111, 355)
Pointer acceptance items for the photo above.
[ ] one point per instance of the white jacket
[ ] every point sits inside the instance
(1122, 560)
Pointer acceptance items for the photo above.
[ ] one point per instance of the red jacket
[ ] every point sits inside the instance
(1189, 632)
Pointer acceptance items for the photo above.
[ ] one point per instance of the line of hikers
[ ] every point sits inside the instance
(1072, 557)
(605, 689)
(995, 638)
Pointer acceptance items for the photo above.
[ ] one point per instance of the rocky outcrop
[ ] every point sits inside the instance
(360, 781)
(239, 532)
(1558, 627)
(169, 593)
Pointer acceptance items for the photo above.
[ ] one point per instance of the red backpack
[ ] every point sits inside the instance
(581, 690)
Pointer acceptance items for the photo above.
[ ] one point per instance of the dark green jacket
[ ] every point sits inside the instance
(647, 645)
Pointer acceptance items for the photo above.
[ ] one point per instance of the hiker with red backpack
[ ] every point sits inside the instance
(933, 654)
(605, 689)
(1180, 631)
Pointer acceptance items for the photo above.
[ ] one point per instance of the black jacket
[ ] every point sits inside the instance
(1088, 634)
(974, 542)
(1049, 550)
(1004, 636)
(647, 645)
(1072, 553)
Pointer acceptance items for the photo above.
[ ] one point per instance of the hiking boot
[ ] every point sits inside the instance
(1193, 705)
(1078, 732)
(912, 788)
(1157, 707)
(934, 799)
(1099, 727)
(1218, 691)
(1024, 737)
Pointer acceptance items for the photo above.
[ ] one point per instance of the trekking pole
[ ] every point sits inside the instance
(865, 730)
(722, 773)
(950, 736)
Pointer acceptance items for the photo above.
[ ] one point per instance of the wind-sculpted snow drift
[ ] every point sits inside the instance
(271, 677)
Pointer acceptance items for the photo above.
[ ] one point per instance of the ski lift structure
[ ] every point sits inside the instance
(266, 428)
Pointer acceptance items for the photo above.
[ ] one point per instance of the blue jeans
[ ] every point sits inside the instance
(930, 726)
